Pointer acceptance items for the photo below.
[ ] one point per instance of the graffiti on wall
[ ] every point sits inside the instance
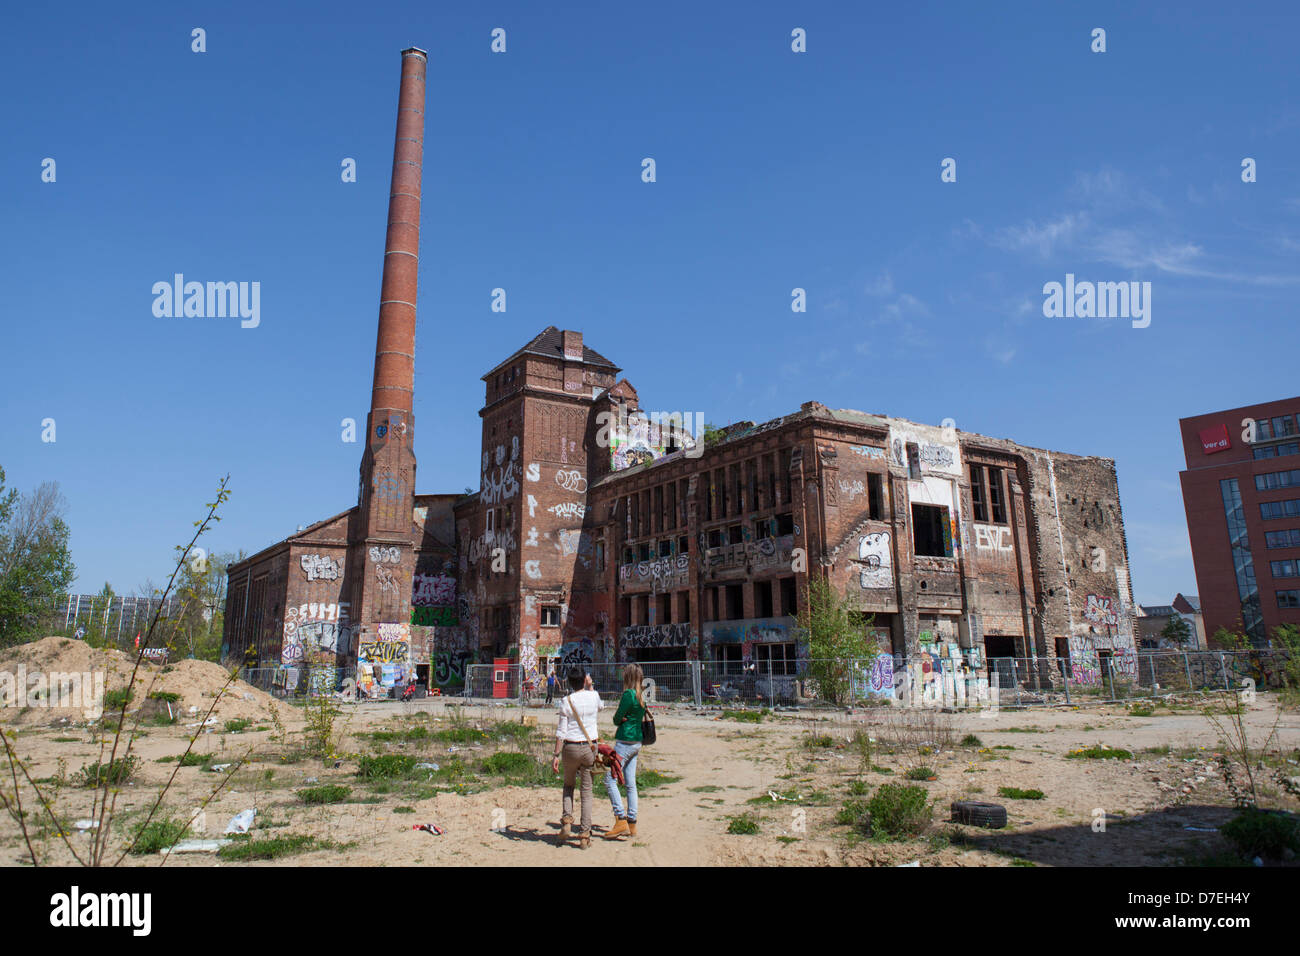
(657, 635)
(320, 567)
(571, 480)
(878, 563)
(866, 451)
(500, 477)
(313, 628)
(385, 578)
(434, 616)
(433, 589)
(386, 555)
(489, 541)
(993, 538)
(568, 509)
(1100, 610)
(850, 489)
(577, 653)
(665, 572)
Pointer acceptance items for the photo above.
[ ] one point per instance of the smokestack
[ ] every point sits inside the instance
(395, 346)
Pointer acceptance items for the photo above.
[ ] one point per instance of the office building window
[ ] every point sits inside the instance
(1288, 599)
(1269, 481)
(1272, 510)
(1285, 569)
(1243, 563)
(1290, 538)
(1277, 451)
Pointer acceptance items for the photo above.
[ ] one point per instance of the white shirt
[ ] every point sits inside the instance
(587, 703)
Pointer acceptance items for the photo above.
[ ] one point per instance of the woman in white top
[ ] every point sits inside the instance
(576, 725)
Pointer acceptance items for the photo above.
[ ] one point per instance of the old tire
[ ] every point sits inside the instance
(991, 816)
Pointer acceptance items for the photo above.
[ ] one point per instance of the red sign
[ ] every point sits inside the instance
(1215, 439)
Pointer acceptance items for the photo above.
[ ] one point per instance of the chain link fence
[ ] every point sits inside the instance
(924, 680)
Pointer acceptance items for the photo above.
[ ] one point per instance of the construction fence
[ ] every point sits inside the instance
(926, 680)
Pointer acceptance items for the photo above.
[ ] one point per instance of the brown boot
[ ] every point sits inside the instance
(566, 830)
(631, 828)
(584, 840)
(620, 828)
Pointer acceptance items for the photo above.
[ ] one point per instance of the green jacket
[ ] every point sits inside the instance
(628, 718)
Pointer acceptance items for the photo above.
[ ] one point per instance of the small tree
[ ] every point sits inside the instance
(35, 563)
(1230, 640)
(1286, 637)
(837, 640)
(1176, 632)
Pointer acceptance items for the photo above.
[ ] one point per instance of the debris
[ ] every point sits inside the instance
(197, 846)
(427, 766)
(220, 767)
(241, 821)
(312, 780)
(86, 824)
(430, 828)
(913, 863)
(776, 796)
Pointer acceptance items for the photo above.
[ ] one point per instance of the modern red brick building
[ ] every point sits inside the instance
(1241, 491)
(603, 532)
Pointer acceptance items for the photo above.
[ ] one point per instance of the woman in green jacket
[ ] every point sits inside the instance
(627, 744)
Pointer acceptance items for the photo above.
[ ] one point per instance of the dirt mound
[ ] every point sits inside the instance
(197, 683)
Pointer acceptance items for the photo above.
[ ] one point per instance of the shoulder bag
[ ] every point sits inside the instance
(648, 733)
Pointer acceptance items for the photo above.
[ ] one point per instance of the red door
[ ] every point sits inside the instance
(500, 677)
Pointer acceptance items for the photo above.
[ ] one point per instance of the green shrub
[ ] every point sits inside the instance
(920, 773)
(238, 725)
(970, 740)
(116, 772)
(165, 696)
(745, 716)
(269, 849)
(899, 810)
(745, 824)
(375, 767)
(1260, 833)
(329, 793)
(819, 741)
(858, 788)
(117, 699)
(507, 762)
(1015, 793)
(158, 835)
(403, 809)
(856, 814)
(1098, 752)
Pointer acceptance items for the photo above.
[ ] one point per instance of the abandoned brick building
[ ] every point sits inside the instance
(599, 533)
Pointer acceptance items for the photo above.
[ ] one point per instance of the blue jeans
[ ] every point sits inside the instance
(628, 751)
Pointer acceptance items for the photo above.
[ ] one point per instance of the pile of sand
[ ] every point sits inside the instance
(196, 682)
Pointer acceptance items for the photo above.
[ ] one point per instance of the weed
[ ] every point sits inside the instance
(1015, 793)
(744, 824)
(330, 793)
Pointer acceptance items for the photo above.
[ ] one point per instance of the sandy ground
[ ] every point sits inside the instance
(719, 766)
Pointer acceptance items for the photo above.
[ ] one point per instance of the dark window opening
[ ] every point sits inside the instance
(785, 523)
(876, 497)
(931, 534)
(735, 602)
(763, 598)
(789, 598)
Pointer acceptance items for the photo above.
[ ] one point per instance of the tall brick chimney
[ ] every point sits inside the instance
(381, 557)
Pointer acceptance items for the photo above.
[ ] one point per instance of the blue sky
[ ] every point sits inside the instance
(775, 170)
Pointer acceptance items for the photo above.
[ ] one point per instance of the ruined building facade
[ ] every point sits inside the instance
(598, 535)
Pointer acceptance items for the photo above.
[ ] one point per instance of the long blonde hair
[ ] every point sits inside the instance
(633, 677)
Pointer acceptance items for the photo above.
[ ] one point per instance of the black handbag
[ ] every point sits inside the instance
(648, 735)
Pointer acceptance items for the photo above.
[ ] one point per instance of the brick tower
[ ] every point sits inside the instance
(381, 555)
